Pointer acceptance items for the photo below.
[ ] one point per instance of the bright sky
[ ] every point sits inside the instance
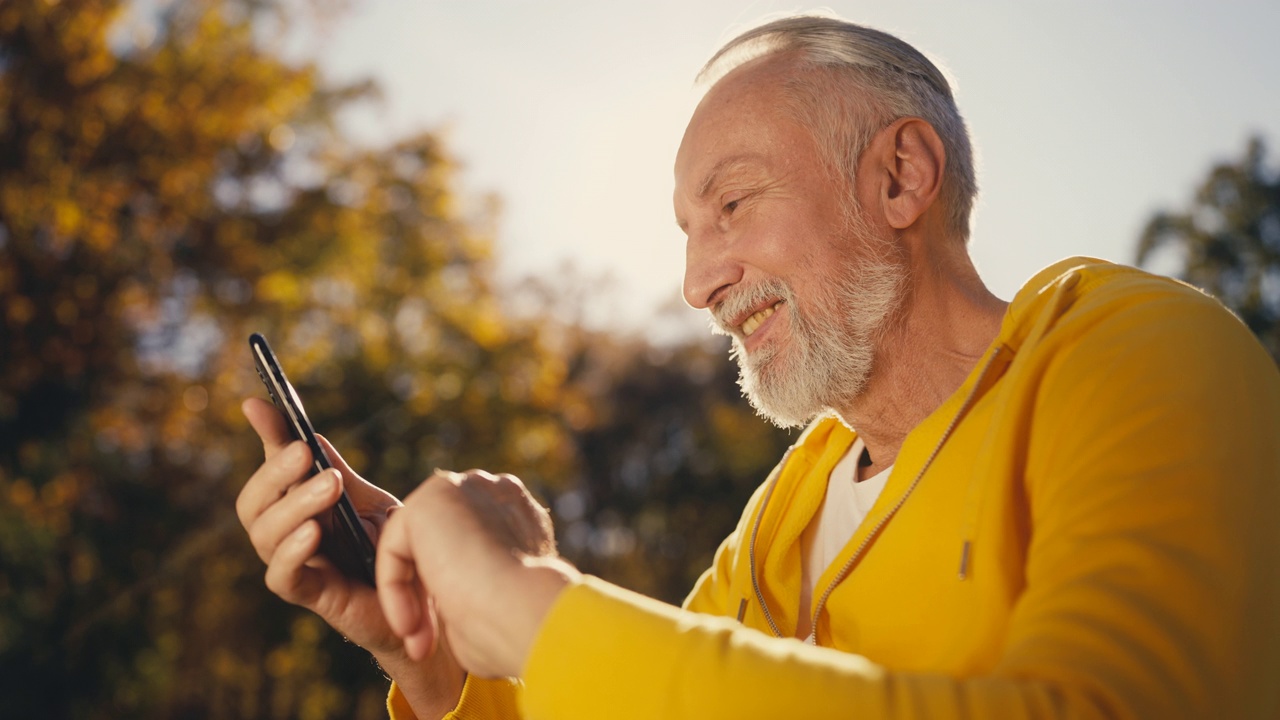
(1087, 116)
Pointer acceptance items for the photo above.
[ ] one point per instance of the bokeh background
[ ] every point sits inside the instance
(453, 222)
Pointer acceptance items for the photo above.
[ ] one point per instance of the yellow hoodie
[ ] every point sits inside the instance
(1087, 528)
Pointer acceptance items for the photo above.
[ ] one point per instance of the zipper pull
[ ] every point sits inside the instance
(964, 560)
(742, 609)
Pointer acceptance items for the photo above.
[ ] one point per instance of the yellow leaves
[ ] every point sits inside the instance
(373, 338)
(578, 410)
(47, 509)
(299, 685)
(22, 496)
(195, 398)
(91, 67)
(281, 287)
(742, 439)
(191, 97)
(448, 385)
(100, 234)
(548, 381)
(113, 102)
(92, 128)
(82, 30)
(119, 427)
(60, 492)
(281, 137)
(281, 662)
(66, 311)
(153, 108)
(183, 186)
(66, 217)
(156, 665)
(480, 318)
(19, 310)
(487, 327)
(536, 439)
(84, 566)
(10, 17)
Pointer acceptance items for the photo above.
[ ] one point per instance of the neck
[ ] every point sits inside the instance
(948, 320)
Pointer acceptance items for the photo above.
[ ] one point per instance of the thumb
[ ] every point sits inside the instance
(363, 493)
(335, 458)
(406, 604)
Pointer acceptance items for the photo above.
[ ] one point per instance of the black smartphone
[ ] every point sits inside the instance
(343, 540)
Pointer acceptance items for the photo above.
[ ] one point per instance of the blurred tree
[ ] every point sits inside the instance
(1228, 241)
(162, 194)
(167, 186)
(670, 453)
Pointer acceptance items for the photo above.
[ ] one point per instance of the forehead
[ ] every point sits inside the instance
(741, 103)
(741, 124)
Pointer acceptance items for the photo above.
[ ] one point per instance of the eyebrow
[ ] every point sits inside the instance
(717, 171)
(729, 163)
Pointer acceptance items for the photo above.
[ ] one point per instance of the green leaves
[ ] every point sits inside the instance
(1228, 241)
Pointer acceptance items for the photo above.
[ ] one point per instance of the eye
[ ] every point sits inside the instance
(730, 206)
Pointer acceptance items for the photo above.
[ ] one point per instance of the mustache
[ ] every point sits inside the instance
(741, 301)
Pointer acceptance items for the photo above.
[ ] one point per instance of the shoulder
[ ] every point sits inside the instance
(1084, 310)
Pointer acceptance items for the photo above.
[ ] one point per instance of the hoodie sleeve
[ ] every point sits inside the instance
(480, 700)
(1152, 572)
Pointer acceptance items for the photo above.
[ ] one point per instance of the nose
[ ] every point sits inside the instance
(709, 270)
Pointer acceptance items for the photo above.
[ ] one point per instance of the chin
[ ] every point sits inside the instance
(776, 396)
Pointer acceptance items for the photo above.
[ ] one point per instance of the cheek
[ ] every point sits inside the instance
(785, 247)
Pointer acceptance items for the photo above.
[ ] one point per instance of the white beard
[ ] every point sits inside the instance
(828, 356)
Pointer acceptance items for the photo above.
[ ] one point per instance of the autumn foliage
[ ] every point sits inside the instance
(168, 186)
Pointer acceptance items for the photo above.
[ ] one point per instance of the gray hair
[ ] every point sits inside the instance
(867, 79)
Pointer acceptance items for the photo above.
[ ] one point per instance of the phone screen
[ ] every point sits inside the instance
(344, 540)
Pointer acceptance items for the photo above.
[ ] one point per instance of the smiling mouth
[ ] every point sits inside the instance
(753, 323)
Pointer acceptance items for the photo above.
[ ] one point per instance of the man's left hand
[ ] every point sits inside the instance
(470, 555)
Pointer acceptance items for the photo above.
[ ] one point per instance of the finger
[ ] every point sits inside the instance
(530, 517)
(284, 516)
(269, 483)
(267, 421)
(372, 503)
(423, 643)
(401, 592)
(507, 510)
(287, 573)
(351, 480)
(335, 457)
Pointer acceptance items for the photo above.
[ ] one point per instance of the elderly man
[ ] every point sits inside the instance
(1062, 506)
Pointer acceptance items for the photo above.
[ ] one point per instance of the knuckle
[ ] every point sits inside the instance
(298, 454)
(441, 476)
(271, 578)
(509, 480)
(476, 475)
(260, 544)
(242, 510)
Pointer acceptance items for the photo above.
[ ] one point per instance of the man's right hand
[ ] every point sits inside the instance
(278, 508)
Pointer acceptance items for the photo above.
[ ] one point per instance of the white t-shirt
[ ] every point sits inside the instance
(844, 507)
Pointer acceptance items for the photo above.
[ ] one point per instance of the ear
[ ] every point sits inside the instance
(911, 159)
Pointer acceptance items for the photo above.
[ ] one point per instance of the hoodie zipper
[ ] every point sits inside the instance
(751, 550)
(866, 541)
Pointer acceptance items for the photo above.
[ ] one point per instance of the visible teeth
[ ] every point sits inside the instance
(752, 323)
